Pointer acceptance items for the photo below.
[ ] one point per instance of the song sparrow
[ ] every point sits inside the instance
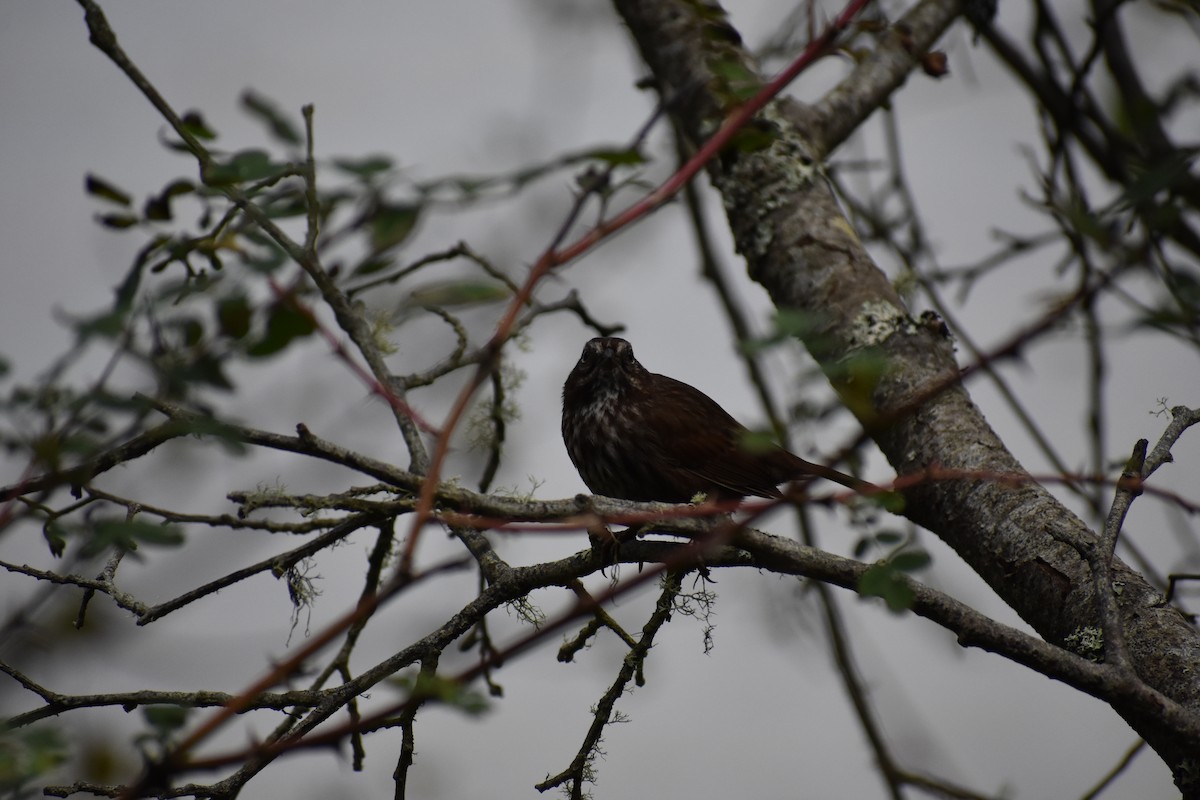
(637, 435)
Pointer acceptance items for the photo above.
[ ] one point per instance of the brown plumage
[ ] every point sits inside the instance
(636, 435)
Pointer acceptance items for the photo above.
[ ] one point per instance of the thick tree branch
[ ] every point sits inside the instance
(877, 75)
(799, 246)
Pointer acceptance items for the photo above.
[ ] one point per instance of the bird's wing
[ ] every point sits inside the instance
(717, 458)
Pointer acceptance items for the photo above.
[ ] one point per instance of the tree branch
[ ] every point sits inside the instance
(799, 246)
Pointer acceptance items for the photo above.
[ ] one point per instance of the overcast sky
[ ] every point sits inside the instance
(486, 86)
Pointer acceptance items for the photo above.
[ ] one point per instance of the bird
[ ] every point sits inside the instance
(636, 435)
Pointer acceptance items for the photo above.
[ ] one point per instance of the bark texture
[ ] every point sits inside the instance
(799, 246)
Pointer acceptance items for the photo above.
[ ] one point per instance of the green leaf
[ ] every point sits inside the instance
(883, 580)
(190, 328)
(178, 188)
(618, 157)
(752, 138)
(26, 754)
(208, 370)
(98, 187)
(253, 164)
(739, 81)
(792, 322)
(855, 378)
(365, 168)
(445, 690)
(284, 324)
(158, 207)
(1164, 175)
(757, 442)
(889, 537)
(277, 124)
(290, 202)
(56, 537)
(234, 314)
(1179, 311)
(891, 502)
(1082, 219)
(166, 718)
(194, 123)
(883, 540)
(457, 293)
(107, 324)
(786, 324)
(391, 223)
(117, 222)
(245, 165)
(79, 443)
(911, 560)
(469, 186)
(267, 259)
(127, 534)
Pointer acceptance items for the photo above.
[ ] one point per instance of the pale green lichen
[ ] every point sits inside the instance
(381, 326)
(766, 179)
(483, 427)
(876, 321)
(1086, 641)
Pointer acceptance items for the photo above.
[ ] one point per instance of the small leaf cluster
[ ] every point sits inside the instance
(887, 578)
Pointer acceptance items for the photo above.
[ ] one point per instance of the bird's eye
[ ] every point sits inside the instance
(589, 352)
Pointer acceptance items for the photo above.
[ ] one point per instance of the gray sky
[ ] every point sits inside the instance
(473, 87)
